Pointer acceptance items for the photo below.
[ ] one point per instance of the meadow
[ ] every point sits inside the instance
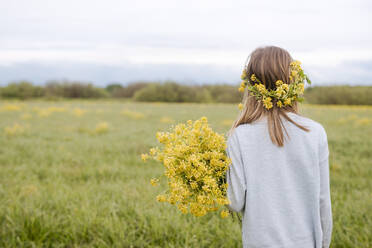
(71, 175)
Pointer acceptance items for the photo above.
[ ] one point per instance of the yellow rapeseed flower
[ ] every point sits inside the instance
(287, 101)
(253, 78)
(295, 63)
(300, 88)
(224, 214)
(267, 102)
(279, 92)
(244, 75)
(240, 106)
(144, 156)
(153, 151)
(154, 181)
(278, 83)
(261, 88)
(161, 198)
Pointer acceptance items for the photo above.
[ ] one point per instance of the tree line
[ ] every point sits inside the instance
(171, 91)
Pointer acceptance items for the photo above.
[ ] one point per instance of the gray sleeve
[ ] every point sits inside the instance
(235, 175)
(325, 195)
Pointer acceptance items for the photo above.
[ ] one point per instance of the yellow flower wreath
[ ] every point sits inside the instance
(285, 94)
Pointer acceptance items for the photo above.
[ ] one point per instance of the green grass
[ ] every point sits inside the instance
(64, 185)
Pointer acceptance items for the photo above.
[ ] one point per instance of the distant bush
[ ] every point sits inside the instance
(21, 90)
(172, 92)
(224, 93)
(69, 89)
(348, 95)
(129, 90)
(113, 87)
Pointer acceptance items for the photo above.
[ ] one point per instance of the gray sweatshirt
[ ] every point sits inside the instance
(283, 192)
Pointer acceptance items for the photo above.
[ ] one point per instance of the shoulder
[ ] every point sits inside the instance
(314, 126)
(232, 136)
(246, 134)
(238, 131)
(236, 134)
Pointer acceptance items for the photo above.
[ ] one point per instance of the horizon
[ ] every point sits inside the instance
(190, 42)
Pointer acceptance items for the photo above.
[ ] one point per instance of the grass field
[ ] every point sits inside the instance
(71, 175)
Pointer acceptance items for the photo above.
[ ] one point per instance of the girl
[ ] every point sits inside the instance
(281, 185)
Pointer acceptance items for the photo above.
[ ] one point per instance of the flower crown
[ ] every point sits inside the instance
(285, 94)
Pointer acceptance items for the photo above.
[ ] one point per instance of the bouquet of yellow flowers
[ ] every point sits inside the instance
(195, 162)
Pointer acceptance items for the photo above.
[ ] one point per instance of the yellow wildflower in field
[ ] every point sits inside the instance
(364, 122)
(349, 118)
(195, 162)
(26, 116)
(240, 106)
(335, 167)
(14, 130)
(352, 117)
(100, 111)
(44, 113)
(101, 128)
(166, 119)
(227, 122)
(48, 111)
(132, 114)
(10, 108)
(29, 190)
(56, 109)
(78, 112)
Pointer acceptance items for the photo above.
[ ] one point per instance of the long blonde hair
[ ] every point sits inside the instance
(269, 64)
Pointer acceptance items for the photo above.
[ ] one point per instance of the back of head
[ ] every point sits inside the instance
(270, 64)
(275, 82)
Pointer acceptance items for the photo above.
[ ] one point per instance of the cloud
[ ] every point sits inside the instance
(196, 39)
(357, 72)
(103, 74)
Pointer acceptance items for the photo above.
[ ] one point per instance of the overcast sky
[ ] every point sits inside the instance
(189, 41)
